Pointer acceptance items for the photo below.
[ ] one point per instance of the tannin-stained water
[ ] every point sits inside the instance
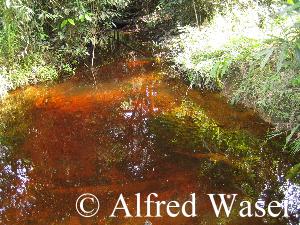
(128, 128)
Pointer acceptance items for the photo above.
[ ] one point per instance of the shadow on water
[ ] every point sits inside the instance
(130, 129)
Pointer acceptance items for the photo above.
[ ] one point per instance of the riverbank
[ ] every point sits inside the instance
(147, 113)
(250, 52)
(44, 42)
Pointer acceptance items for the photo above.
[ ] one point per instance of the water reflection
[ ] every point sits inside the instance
(291, 193)
(14, 180)
(128, 129)
(137, 111)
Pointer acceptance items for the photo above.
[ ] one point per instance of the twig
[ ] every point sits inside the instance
(196, 15)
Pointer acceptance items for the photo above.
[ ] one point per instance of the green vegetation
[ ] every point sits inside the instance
(189, 124)
(228, 159)
(250, 51)
(15, 119)
(37, 38)
(292, 173)
(187, 130)
(132, 128)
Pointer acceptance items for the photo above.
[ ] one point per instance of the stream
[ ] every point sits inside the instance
(129, 127)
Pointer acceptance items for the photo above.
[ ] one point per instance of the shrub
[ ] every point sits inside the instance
(4, 85)
(37, 38)
(255, 50)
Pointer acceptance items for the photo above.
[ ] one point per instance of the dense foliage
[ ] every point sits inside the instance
(251, 51)
(40, 39)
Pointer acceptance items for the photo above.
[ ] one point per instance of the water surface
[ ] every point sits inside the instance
(129, 128)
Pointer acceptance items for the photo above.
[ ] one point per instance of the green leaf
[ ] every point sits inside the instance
(296, 82)
(215, 69)
(8, 3)
(295, 146)
(87, 17)
(63, 24)
(297, 50)
(289, 137)
(66, 21)
(71, 21)
(281, 58)
(81, 18)
(225, 67)
(267, 57)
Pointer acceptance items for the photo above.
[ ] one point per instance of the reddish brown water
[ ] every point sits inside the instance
(127, 129)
